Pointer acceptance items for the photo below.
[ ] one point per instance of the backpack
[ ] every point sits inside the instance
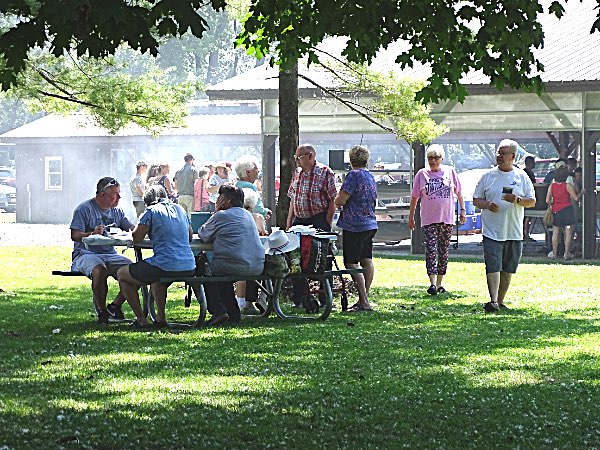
(276, 266)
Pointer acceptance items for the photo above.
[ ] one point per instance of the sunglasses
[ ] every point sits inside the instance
(112, 182)
(298, 158)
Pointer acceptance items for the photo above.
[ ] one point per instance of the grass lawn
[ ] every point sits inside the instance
(419, 372)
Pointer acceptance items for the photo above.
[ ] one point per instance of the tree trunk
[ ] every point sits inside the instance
(289, 132)
(213, 66)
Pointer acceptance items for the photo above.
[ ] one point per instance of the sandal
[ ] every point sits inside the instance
(135, 325)
(441, 290)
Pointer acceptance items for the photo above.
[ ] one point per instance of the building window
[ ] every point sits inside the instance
(53, 173)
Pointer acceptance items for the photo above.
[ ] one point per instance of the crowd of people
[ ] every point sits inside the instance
(193, 187)
(239, 218)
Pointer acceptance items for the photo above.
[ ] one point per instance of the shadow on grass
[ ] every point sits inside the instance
(421, 371)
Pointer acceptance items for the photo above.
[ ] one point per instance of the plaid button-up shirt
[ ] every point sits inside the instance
(312, 192)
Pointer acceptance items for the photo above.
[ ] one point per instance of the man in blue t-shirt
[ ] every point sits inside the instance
(95, 216)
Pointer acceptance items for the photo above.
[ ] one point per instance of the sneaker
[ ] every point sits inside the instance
(503, 306)
(249, 309)
(115, 312)
(551, 255)
(103, 316)
(491, 307)
(568, 256)
(432, 290)
(441, 290)
(218, 320)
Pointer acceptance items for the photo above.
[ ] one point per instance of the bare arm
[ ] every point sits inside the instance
(168, 185)
(462, 217)
(191, 233)
(549, 195)
(290, 218)
(411, 213)
(77, 235)
(341, 199)
(139, 233)
(572, 193)
(484, 204)
(330, 212)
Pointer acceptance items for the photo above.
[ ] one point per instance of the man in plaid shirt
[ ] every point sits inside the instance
(311, 194)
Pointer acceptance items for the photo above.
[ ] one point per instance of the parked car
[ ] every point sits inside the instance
(8, 198)
(8, 176)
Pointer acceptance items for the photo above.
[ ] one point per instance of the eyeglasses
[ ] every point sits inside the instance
(112, 182)
(504, 153)
(298, 158)
(429, 158)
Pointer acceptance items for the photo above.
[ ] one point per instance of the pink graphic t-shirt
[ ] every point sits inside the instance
(437, 191)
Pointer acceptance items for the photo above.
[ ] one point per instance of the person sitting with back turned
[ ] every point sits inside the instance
(502, 194)
(247, 293)
(170, 232)
(237, 251)
(98, 262)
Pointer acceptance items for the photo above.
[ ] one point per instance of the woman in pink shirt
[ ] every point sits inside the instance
(436, 187)
(201, 200)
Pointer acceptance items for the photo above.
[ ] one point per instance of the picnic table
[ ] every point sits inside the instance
(269, 288)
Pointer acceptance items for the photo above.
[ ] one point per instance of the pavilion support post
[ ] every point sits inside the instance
(268, 171)
(588, 159)
(417, 245)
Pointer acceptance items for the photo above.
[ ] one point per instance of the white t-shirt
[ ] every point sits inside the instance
(507, 223)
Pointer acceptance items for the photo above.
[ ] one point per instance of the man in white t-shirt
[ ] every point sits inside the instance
(502, 194)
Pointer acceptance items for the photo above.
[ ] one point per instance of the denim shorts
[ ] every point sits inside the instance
(501, 256)
(86, 262)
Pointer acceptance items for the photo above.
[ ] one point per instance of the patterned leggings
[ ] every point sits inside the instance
(437, 240)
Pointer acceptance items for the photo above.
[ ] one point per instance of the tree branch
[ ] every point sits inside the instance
(346, 103)
(90, 105)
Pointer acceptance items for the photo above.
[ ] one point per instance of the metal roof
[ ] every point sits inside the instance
(81, 125)
(569, 56)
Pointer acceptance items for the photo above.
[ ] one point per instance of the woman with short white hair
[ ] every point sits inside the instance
(436, 186)
(247, 171)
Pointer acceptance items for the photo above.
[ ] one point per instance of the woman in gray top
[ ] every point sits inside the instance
(237, 250)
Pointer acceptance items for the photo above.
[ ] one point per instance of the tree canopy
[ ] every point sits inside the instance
(110, 70)
(452, 36)
(95, 29)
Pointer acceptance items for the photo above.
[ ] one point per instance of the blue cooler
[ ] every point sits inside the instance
(470, 224)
